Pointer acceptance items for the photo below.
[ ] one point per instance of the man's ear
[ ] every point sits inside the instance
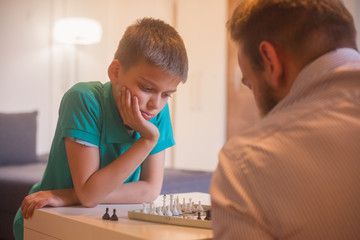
(113, 70)
(272, 63)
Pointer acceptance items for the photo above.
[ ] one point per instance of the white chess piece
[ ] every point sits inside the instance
(164, 204)
(144, 210)
(174, 211)
(152, 208)
(178, 206)
(171, 201)
(188, 208)
(199, 208)
(183, 208)
(168, 212)
(193, 209)
(159, 212)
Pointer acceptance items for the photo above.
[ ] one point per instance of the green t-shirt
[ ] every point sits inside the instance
(88, 112)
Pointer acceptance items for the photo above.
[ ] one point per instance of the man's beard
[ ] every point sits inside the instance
(267, 101)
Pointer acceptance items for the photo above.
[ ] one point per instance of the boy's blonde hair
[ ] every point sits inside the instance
(155, 42)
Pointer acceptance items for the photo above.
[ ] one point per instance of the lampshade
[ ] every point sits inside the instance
(77, 31)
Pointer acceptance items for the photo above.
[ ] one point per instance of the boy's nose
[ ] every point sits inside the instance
(155, 102)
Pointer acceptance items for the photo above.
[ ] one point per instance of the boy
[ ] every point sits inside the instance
(110, 138)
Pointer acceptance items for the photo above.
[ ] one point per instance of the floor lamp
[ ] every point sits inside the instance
(72, 32)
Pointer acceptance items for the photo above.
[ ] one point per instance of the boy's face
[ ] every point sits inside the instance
(152, 86)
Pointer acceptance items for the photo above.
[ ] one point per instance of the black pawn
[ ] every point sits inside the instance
(199, 217)
(114, 217)
(208, 215)
(106, 216)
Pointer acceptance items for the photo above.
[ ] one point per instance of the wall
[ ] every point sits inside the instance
(201, 104)
(35, 71)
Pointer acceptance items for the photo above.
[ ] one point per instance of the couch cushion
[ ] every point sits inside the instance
(181, 181)
(17, 138)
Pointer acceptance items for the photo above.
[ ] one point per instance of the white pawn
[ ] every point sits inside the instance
(171, 201)
(159, 212)
(164, 204)
(174, 211)
(178, 206)
(144, 210)
(188, 208)
(168, 212)
(193, 209)
(183, 208)
(153, 208)
(199, 208)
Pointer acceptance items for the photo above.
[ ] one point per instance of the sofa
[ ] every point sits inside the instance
(21, 167)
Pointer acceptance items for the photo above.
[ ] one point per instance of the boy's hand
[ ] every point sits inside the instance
(131, 116)
(53, 198)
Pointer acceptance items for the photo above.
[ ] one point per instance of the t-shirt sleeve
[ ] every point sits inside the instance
(79, 114)
(163, 123)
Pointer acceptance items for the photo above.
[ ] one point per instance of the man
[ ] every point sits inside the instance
(295, 174)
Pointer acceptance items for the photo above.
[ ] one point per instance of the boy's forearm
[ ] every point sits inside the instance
(106, 180)
(133, 192)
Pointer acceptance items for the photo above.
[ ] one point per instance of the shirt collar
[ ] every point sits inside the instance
(324, 65)
(115, 131)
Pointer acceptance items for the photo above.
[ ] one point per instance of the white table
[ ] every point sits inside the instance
(77, 222)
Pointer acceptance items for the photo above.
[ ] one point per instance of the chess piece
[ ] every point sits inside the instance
(199, 217)
(152, 208)
(193, 209)
(188, 208)
(159, 212)
(144, 210)
(178, 206)
(106, 216)
(199, 207)
(174, 211)
(168, 212)
(164, 204)
(171, 201)
(208, 215)
(183, 208)
(114, 217)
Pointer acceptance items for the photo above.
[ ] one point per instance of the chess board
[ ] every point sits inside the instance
(186, 219)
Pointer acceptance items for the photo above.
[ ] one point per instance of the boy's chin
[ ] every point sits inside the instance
(127, 127)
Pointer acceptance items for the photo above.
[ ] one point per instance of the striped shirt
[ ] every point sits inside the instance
(296, 173)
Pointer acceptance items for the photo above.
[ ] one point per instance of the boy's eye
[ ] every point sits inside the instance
(167, 95)
(147, 89)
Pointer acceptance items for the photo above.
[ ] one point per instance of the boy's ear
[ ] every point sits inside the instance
(113, 70)
(272, 63)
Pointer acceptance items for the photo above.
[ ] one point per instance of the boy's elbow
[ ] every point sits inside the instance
(87, 201)
(153, 193)
(89, 204)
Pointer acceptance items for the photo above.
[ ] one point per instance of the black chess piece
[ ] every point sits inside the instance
(114, 217)
(208, 215)
(199, 217)
(106, 216)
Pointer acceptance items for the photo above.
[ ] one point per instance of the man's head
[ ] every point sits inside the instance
(277, 38)
(154, 42)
